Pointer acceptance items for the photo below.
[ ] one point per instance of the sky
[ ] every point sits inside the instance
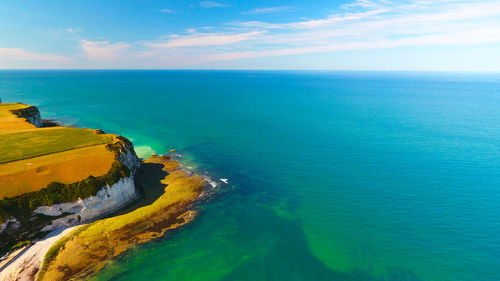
(449, 35)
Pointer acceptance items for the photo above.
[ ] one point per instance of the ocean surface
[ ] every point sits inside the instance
(332, 175)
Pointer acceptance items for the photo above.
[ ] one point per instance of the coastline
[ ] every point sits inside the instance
(86, 252)
(154, 210)
(26, 263)
(312, 200)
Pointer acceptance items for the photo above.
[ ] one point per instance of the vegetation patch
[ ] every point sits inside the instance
(70, 166)
(47, 166)
(81, 254)
(20, 244)
(28, 144)
(52, 252)
(22, 205)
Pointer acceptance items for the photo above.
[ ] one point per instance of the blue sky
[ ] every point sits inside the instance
(228, 34)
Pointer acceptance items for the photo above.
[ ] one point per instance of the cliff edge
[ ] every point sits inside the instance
(59, 176)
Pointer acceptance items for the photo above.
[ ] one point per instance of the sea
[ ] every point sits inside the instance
(331, 175)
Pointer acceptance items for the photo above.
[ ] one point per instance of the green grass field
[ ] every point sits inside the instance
(23, 145)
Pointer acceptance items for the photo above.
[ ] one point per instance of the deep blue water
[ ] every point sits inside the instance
(333, 175)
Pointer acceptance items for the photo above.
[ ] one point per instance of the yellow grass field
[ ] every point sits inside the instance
(6, 108)
(43, 141)
(10, 121)
(66, 167)
(31, 157)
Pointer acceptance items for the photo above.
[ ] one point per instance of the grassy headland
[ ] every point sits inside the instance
(31, 158)
(11, 116)
(66, 167)
(43, 141)
(45, 166)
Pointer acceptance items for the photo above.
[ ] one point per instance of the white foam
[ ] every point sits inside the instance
(144, 151)
(224, 180)
(210, 181)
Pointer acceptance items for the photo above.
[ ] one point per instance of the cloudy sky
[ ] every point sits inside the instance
(227, 34)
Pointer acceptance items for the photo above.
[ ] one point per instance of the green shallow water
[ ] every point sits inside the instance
(332, 175)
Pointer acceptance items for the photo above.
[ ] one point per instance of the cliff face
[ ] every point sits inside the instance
(107, 200)
(128, 157)
(79, 255)
(31, 114)
(28, 215)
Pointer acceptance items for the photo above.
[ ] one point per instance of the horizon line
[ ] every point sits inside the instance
(249, 69)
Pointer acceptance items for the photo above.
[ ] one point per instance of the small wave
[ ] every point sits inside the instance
(210, 181)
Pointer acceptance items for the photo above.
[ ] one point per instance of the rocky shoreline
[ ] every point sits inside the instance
(174, 193)
(165, 200)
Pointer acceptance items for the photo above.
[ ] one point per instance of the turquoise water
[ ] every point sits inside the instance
(332, 175)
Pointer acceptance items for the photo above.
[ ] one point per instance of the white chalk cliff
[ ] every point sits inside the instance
(108, 199)
(13, 224)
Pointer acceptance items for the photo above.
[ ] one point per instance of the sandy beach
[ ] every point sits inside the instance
(25, 264)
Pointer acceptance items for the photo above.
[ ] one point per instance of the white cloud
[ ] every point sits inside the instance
(360, 3)
(167, 11)
(212, 4)
(428, 23)
(199, 40)
(481, 36)
(362, 26)
(334, 19)
(416, 23)
(74, 30)
(268, 10)
(315, 23)
(13, 54)
(97, 50)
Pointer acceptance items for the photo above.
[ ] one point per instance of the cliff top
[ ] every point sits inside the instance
(32, 157)
(10, 118)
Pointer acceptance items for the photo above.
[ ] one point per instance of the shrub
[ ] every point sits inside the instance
(56, 192)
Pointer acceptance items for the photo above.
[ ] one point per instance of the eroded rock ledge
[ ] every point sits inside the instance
(84, 252)
(31, 114)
